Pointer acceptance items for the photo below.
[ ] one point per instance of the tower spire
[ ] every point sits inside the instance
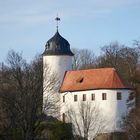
(57, 20)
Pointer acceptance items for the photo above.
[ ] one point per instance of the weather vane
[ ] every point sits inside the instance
(57, 20)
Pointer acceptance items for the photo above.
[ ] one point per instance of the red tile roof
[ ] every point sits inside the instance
(103, 78)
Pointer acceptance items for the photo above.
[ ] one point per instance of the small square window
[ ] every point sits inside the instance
(75, 98)
(63, 98)
(92, 97)
(63, 117)
(119, 96)
(84, 97)
(104, 96)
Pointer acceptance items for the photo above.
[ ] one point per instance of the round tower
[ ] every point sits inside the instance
(57, 59)
(57, 55)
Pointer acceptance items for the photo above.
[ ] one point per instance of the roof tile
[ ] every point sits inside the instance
(103, 78)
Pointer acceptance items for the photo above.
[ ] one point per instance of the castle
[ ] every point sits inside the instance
(100, 94)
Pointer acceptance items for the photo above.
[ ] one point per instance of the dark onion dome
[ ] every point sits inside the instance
(57, 45)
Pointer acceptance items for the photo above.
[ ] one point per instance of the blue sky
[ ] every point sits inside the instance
(26, 25)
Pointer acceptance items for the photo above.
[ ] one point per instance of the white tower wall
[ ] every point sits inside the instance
(58, 64)
(54, 68)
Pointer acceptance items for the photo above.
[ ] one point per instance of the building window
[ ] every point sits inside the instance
(92, 97)
(119, 96)
(104, 96)
(75, 98)
(63, 98)
(84, 97)
(63, 117)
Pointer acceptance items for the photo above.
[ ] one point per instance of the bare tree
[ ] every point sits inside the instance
(83, 59)
(87, 120)
(22, 94)
(110, 55)
(132, 121)
(51, 96)
(137, 43)
(124, 59)
(132, 124)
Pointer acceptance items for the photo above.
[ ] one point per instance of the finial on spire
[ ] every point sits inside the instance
(57, 19)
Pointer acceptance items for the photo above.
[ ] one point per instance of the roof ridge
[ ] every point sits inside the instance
(112, 68)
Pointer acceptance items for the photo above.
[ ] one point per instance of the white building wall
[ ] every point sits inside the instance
(112, 109)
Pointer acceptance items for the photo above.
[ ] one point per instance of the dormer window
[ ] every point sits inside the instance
(48, 46)
(80, 80)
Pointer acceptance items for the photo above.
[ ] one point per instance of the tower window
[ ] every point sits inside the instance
(84, 97)
(104, 96)
(63, 98)
(63, 117)
(48, 46)
(119, 96)
(92, 97)
(75, 98)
